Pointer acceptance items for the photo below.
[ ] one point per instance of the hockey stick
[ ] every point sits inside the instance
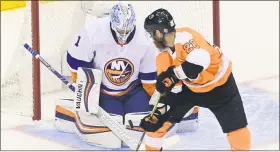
(102, 115)
(154, 99)
(37, 56)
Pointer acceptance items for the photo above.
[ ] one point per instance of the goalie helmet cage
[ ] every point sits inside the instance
(45, 20)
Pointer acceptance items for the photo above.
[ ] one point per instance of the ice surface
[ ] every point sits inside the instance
(253, 47)
(262, 110)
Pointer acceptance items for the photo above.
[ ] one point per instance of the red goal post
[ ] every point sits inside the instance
(36, 63)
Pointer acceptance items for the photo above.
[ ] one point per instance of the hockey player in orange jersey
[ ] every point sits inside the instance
(192, 73)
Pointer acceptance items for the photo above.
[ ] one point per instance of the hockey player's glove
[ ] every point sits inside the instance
(166, 80)
(191, 70)
(152, 125)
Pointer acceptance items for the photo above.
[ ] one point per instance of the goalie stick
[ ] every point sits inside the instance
(102, 115)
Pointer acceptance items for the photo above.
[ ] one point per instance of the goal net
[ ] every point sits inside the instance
(58, 22)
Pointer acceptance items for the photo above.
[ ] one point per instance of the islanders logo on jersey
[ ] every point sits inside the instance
(118, 71)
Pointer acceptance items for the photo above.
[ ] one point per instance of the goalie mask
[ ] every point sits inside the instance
(122, 17)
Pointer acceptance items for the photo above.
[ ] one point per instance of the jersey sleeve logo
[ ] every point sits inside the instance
(118, 71)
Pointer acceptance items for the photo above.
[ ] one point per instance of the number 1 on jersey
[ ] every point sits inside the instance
(77, 43)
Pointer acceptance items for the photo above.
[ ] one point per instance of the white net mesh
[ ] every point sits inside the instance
(194, 14)
(16, 80)
(59, 21)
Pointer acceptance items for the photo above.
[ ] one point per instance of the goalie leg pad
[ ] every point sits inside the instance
(88, 90)
(64, 117)
(90, 129)
(85, 125)
(135, 130)
(190, 121)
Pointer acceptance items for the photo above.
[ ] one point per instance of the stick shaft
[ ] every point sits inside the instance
(102, 115)
(38, 56)
(150, 117)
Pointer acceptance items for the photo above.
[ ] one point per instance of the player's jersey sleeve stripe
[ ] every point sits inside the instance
(148, 81)
(74, 63)
(151, 76)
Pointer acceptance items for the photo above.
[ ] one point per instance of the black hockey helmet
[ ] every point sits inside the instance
(160, 20)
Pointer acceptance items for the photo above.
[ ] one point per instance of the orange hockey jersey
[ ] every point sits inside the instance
(192, 47)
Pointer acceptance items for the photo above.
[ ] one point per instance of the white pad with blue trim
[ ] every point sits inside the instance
(88, 90)
(91, 130)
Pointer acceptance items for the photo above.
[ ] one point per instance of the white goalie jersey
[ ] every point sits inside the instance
(122, 66)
